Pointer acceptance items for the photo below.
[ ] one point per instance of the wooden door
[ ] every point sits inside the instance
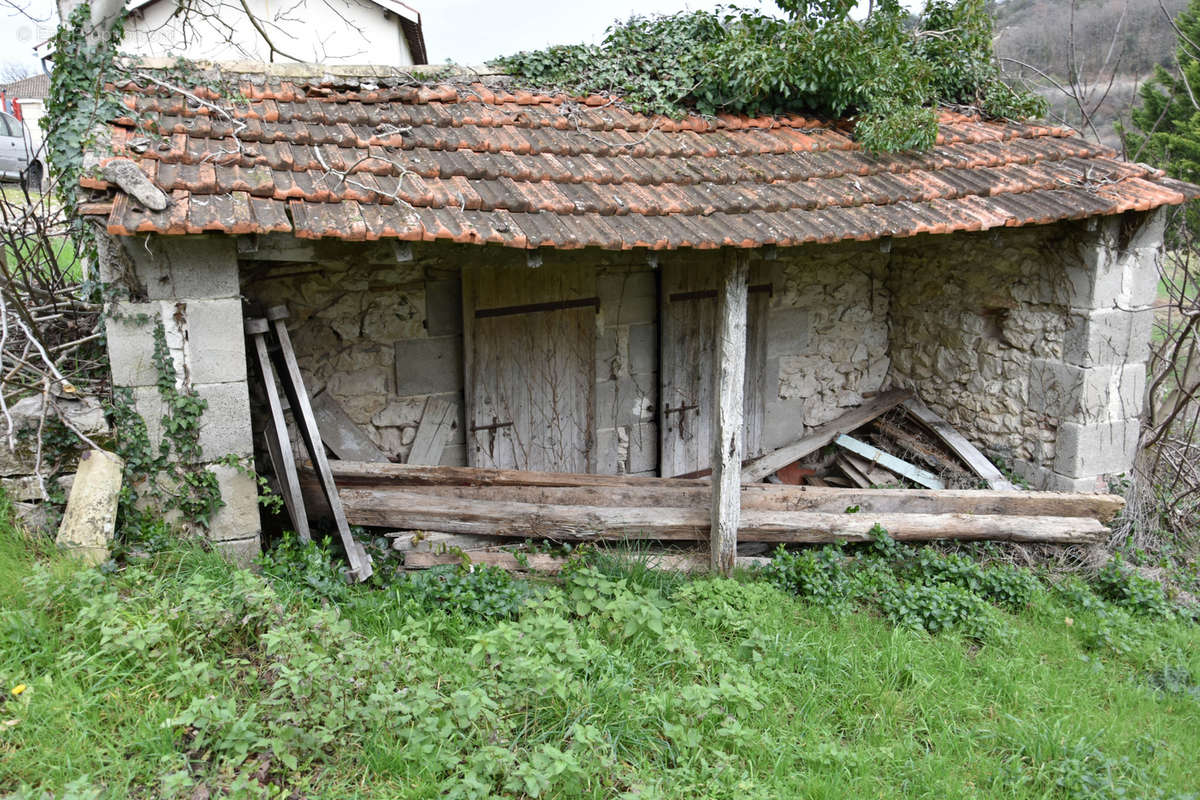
(689, 328)
(529, 355)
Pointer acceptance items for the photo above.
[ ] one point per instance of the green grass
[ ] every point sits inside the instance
(157, 678)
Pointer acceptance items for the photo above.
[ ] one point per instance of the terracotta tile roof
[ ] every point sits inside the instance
(358, 158)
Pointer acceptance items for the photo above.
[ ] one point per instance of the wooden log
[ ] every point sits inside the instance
(727, 444)
(551, 565)
(976, 460)
(420, 511)
(822, 435)
(617, 490)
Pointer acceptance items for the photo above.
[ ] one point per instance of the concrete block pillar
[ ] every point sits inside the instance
(1097, 389)
(190, 285)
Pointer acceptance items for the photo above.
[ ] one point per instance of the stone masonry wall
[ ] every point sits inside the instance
(827, 335)
(1032, 342)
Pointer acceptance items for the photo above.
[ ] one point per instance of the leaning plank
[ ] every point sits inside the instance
(604, 490)
(976, 460)
(340, 434)
(889, 462)
(416, 510)
(822, 435)
(436, 423)
(293, 381)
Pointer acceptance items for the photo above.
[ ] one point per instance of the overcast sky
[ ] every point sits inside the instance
(464, 31)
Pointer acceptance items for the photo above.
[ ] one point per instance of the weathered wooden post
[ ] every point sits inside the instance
(727, 423)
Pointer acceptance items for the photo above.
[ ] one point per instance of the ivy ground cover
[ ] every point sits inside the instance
(178, 677)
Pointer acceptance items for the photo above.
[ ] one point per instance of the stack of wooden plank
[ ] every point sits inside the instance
(574, 507)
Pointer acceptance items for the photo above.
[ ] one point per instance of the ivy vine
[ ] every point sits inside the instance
(887, 72)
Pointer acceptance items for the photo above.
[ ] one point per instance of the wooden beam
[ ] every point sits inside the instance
(976, 460)
(279, 444)
(422, 511)
(541, 563)
(360, 562)
(730, 375)
(889, 462)
(340, 434)
(823, 434)
(623, 490)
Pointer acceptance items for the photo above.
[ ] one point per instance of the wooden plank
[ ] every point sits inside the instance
(437, 541)
(551, 565)
(824, 434)
(360, 562)
(575, 489)
(889, 461)
(279, 444)
(530, 389)
(876, 474)
(728, 432)
(340, 434)
(437, 421)
(976, 460)
(420, 511)
(852, 472)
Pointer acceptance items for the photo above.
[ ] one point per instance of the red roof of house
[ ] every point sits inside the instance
(374, 157)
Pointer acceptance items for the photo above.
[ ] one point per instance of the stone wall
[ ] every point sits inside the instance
(190, 286)
(1022, 338)
(1033, 341)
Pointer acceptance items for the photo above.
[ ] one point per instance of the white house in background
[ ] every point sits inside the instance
(30, 94)
(315, 31)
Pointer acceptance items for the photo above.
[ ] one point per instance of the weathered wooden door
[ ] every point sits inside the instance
(529, 353)
(689, 329)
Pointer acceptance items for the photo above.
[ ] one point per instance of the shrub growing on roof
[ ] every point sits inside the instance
(885, 73)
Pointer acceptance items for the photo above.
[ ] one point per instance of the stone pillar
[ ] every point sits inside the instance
(1096, 391)
(190, 284)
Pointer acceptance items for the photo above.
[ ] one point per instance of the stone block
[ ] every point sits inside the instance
(429, 366)
(149, 405)
(625, 401)
(1141, 277)
(1097, 279)
(130, 336)
(1084, 450)
(215, 350)
(628, 298)
(643, 349)
(191, 267)
(1066, 391)
(240, 552)
(788, 331)
(239, 517)
(225, 426)
(610, 360)
(443, 308)
(1144, 230)
(91, 515)
(1100, 338)
(1129, 400)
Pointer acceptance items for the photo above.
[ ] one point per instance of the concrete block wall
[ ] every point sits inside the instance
(190, 286)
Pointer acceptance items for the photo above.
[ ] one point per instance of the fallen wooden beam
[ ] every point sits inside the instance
(420, 511)
(822, 435)
(976, 460)
(552, 565)
(569, 489)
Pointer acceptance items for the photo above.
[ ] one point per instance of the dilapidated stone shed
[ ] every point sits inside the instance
(551, 266)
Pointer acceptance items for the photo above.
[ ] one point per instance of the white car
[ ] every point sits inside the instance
(19, 160)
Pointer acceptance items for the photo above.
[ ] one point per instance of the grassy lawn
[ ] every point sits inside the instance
(179, 676)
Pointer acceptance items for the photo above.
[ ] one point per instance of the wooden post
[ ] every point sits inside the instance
(727, 422)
